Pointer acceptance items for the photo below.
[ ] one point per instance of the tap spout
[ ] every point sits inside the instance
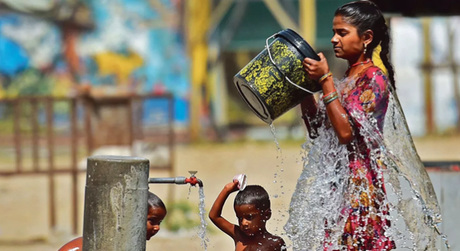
(193, 181)
(176, 180)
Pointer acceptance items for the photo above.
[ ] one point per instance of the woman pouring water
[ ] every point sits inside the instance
(341, 200)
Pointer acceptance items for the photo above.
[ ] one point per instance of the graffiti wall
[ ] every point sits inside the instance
(134, 47)
(137, 47)
(30, 52)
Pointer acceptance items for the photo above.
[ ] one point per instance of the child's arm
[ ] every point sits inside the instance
(215, 214)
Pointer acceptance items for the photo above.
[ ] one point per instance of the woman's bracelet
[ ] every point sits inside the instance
(330, 94)
(322, 78)
(330, 97)
(330, 100)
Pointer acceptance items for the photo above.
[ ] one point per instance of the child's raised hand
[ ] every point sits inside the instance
(232, 186)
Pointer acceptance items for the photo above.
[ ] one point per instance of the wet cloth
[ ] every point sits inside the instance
(364, 227)
(340, 201)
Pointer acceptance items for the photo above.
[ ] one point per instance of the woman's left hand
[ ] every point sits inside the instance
(316, 69)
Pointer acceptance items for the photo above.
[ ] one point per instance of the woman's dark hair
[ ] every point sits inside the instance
(255, 195)
(155, 201)
(365, 15)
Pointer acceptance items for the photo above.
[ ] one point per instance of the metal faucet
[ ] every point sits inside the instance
(180, 180)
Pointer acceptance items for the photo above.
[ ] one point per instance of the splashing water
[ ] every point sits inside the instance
(189, 192)
(443, 237)
(204, 224)
(277, 179)
(272, 128)
(407, 170)
(334, 190)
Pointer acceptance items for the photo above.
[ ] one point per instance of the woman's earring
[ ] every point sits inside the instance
(365, 49)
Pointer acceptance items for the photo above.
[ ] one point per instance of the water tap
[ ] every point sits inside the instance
(193, 180)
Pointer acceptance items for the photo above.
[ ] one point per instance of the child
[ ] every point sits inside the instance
(155, 215)
(252, 208)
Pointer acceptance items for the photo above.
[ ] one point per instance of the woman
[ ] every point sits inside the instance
(340, 200)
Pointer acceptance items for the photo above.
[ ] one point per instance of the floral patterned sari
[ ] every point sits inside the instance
(341, 201)
(366, 215)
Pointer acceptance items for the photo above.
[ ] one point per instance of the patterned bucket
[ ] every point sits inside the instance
(274, 81)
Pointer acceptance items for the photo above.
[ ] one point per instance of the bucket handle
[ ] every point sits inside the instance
(273, 62)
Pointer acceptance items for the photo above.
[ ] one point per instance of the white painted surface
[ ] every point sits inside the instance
(446, 185)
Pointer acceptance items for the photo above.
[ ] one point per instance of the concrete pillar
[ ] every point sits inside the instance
(116, 195)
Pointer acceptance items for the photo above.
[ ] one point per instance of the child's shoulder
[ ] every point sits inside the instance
(274, 243)
(277, 239)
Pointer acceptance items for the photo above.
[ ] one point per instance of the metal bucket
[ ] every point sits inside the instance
(275, 81)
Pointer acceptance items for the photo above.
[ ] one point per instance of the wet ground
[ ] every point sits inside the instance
(24, 208)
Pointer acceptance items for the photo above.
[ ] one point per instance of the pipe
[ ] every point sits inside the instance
(177, 180)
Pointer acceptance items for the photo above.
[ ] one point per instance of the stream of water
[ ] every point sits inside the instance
(273, 130)
(203, 223)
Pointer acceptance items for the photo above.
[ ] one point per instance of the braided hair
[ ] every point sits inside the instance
(365, 15)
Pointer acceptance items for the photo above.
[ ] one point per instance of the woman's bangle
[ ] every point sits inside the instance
(326, 102)
(330, 94)
(330, 97)
(322, 78)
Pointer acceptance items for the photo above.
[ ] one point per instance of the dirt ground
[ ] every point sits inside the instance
(24, 200)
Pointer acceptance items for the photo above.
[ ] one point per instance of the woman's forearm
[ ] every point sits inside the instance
(337, 114)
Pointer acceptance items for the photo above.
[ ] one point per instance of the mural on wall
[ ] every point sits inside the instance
(137, 47)
(31, 63)
(134, 47)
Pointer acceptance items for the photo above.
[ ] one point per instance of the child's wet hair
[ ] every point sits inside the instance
(155, 201)
(255, 195)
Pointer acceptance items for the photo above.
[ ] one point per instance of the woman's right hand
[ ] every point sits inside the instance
(316, 69)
